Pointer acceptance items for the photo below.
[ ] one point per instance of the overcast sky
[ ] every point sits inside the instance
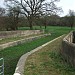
(65, 4)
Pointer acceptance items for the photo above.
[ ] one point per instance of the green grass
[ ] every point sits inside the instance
(23, 28)
(11, 55)
(52, 29)
(48, 61)
(58, 63)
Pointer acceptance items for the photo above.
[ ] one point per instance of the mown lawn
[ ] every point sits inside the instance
(51, 29)
(11, 55)
(48, 61)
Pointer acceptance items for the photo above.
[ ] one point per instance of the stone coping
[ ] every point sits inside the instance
(68, 39)
(21, 63)
(10, 34)
(14, 43)
(68, 49)
(68, 35)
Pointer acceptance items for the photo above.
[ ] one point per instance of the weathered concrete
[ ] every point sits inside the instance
(21, 63)
(68, 49)
(21, 41)
(16, 74)
(69, 37)
(8, 34)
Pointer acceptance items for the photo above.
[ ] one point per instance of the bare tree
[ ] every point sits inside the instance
(12, 18)
(71, 18)
(49, 9)
(30, 8)
(33, 8)
(16, 13)
(2, 11)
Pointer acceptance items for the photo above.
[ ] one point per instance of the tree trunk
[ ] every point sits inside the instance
(30, 23)
(40, 27)
(45, 22)
(31, 26)
(45, 26)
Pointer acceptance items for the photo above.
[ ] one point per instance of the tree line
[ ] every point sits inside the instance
(18, 13)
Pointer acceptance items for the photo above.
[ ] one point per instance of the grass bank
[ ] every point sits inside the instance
(48, 61)
(11, 55)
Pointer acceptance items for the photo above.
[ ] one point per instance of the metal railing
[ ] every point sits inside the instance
(1, 66)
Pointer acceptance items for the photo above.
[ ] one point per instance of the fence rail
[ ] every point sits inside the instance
(2, 66)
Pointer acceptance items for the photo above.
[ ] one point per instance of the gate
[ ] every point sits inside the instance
(1, 66)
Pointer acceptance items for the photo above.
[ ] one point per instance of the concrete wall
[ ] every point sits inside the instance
(69, 37)
(21, 41)
(8, 34)
(68, 49)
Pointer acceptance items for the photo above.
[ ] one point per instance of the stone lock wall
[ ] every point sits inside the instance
(68, 48)
(14, 43)
(8, 34)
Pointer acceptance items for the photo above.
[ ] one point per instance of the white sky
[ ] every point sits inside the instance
(1, 2)
(65, 4)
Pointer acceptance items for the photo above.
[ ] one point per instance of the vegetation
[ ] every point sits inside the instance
(48, 60)
(11, 55)
(53, 20)
(71, 18)
(12, 18)
(31, 10)
(30, 13)
(2, 11)
(22, 14)
(50, 29)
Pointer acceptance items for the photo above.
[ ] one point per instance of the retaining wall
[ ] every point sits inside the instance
(21, 41)
(68, 48)
(8, 34)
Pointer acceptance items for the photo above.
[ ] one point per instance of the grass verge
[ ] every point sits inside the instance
(48, 61)
(11, 55)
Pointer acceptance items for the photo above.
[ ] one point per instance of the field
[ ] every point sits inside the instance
(11, 55)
